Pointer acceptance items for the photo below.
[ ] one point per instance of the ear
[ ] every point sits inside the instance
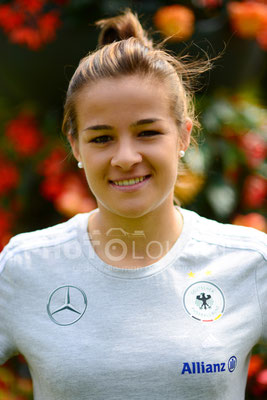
(74, 146)
(187, 129)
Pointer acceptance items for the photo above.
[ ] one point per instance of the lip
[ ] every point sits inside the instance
(131, 188)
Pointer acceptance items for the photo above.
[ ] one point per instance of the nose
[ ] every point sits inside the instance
(126, 155)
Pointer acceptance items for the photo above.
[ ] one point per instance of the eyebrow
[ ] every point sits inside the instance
(137, 123)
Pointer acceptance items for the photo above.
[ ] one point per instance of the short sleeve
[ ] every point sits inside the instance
(7, 346)
(261, 280)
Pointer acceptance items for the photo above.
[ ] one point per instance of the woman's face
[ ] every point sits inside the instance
(125, 131)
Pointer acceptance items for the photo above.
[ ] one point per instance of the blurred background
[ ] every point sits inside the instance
(41, 43)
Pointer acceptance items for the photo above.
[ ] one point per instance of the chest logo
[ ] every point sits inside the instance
(204, 301)
(66, 305)
(200, 367)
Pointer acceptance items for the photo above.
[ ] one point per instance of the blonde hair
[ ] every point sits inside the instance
(124, 49)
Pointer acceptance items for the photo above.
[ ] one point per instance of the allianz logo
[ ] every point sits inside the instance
(201, 367)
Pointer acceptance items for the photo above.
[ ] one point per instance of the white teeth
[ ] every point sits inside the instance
(128, 182)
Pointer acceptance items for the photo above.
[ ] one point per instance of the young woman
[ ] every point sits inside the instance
(138, 299)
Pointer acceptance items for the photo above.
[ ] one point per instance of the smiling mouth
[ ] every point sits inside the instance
(130, 182)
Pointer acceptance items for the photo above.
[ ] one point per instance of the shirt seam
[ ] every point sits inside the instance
(261, 253)
(258, 298)
(112, 275)
(21, 249)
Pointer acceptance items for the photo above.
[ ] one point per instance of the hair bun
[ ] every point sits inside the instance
(122, 27)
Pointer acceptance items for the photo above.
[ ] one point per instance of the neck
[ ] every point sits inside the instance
(134, 242)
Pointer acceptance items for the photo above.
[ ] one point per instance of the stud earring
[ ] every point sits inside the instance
(182, 153)
(80, 164)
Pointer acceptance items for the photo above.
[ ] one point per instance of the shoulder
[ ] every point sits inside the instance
(51, 236)
(227, 235)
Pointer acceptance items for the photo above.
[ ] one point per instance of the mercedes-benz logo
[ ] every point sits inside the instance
(69, 311)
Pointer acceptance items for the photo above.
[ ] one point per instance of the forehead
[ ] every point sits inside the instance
(122, 97)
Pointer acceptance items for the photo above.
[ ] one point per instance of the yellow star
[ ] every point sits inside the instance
(208, 273)
(191, 274)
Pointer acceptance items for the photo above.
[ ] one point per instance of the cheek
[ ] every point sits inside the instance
(94, 183)
(167, 162)
(92, 175)
(168, 152)
(97, 169)
(94, 161)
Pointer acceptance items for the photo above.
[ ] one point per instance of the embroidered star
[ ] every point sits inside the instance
(208, 273)
(191, 274)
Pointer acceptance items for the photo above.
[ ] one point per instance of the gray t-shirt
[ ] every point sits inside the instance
(182, 328)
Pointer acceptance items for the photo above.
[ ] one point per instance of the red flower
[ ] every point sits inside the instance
(35, 37)
(255, 365)
(9, 176)
(25, 23)
(69, 193)
(254, 147)
(52, 187)
(262, 38)
(256, 221)
(248, 18)
(26, 35)
(75, 197)
(9, 18)
(47, 24)
(175, 20)
(254, 191)
(6, 223)
(24, 134)
(54, 164)
(31, 6)
(262, 378)
(4, 239)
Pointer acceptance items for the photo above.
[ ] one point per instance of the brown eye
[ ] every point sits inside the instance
(101, 139)
(149, 133)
